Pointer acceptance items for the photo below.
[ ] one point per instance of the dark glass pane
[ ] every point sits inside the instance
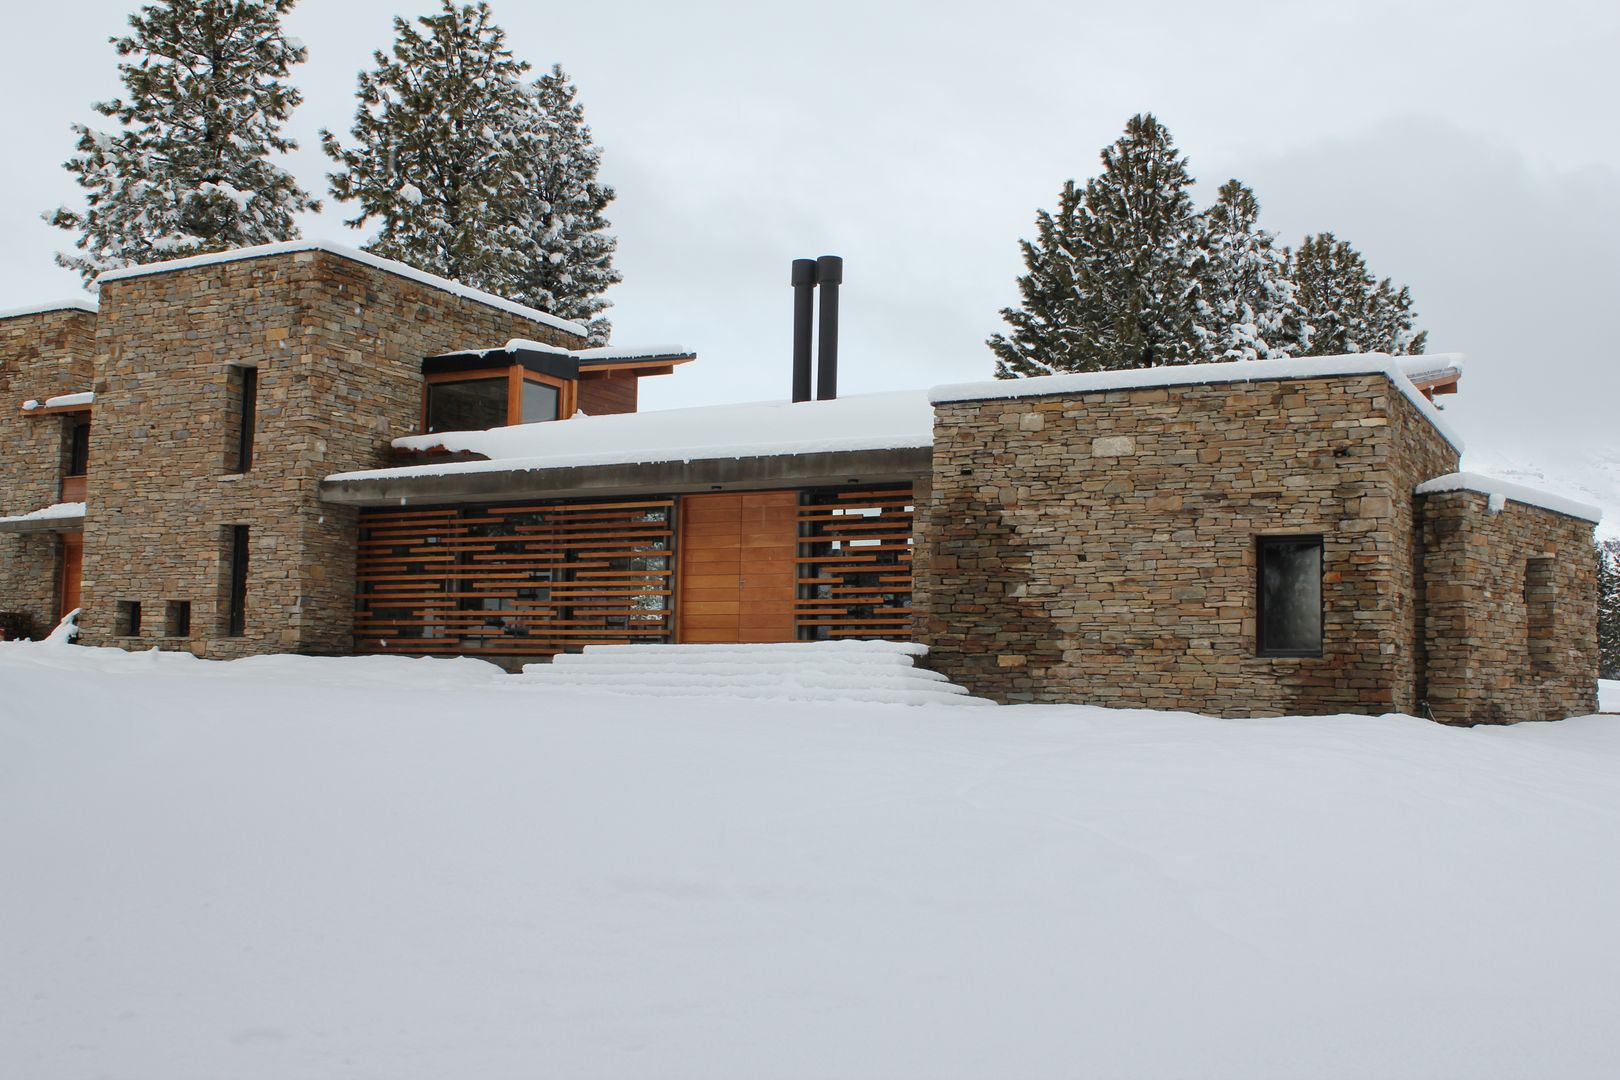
(1291, 596)
(79, 452)
(539, 402)
(473, 405)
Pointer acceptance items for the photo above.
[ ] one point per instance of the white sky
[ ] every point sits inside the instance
(1468, 149)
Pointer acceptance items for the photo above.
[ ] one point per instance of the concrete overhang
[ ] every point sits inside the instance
(42, 524)
(837, 468)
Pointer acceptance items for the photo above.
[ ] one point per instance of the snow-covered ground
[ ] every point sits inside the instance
(1609, 695)
(382, 867)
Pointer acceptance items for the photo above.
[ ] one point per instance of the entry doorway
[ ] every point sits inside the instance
(738, 578)
(72, 569)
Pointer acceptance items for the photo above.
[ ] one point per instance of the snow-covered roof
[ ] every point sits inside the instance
(1503, 489)
(78, 303)
(1315, 367)
(601, 354)
(61, 401)
(55, 512)
(398, 268)
(891, 421)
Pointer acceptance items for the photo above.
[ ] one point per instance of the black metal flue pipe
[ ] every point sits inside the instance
(804, 300)
(829, 275)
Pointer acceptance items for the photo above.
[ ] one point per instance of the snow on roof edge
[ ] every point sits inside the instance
(74, 304)
(83, 397)
(1313, 367)
(48, 513)
(641, 456)
(391, 266)
(1481, 484)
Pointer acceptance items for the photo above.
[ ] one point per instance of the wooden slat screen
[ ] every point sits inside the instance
(527, 580)
(855, 564)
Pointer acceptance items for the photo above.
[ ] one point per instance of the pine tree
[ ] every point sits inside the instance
(189, 170)
(475, 174)
(1045, 336)
(1249, 306)
(568, 257)
(1133, 257)
(1348, 309)
(1608, 554)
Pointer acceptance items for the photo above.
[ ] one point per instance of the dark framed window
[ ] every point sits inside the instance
(1288, 595)
(177, 618)
(467, 404)
(236, 576)
(540, 401)
(128, 619)
(242, 407)
(78, 446)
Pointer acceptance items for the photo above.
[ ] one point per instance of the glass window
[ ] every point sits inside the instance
(1289, 604)
(539, 401)
(470, 405)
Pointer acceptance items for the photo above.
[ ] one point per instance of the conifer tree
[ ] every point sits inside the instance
(473, 173)
(1133, 256)
(1250, 308)
(568, 256)
(1348, 309)
(1045, 337)
(1608, 554)
(188, 171)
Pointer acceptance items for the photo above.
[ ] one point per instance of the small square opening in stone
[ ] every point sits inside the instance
(128, 619)
(177, 618)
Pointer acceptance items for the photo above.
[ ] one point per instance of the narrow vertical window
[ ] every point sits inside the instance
(128, 619)
(1540, 606)
(242, 416)
(177, 619)
(236, 581)
(1288, 601)
(79, 447)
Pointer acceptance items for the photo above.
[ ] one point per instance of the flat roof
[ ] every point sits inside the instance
(1399, 370)
(1481, 484)
(73, 304)
(391, 266)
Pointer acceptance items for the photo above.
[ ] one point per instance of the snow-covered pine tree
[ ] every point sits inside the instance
(189, 170)
(1348, 309)
(475, 174)
(1132, 254)
(1608, 554)
(568, 255)
(1044, 336)
(434, 160)
(1249, 306)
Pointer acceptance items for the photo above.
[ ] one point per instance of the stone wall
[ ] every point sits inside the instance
(42, 355)
(1511, 605)
(1100, 547)
(338, 346)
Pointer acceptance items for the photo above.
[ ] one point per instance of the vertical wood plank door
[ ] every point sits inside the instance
(72, 570)
(738, 578)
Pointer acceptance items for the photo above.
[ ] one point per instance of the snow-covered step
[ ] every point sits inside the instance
(882, 672)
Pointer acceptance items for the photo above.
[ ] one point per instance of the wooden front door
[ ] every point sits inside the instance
(737, 578)
(72, 570)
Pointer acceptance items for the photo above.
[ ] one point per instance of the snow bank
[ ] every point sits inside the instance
(48, 513)
(397, 268)
(1608, 696)
(1504, 490)
(1315, 367)
(78, 303)
(420, 869)
(888, 421)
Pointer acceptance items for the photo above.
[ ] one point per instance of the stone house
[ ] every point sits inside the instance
(305, 448)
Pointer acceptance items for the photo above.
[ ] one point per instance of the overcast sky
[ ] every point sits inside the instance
(1468, 149)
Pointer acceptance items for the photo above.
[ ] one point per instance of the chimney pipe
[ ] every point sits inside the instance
(804, 298)
(829, 275)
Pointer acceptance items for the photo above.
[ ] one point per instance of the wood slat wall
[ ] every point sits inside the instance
(737, 567)
(855, 564)
(525, 580)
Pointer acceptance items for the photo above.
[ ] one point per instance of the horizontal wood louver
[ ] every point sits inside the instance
(855, 564)
(524, 580)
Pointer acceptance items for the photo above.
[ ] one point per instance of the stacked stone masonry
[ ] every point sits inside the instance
(338, 346)
(1101, 547)
(42, 355)
(1511, 611)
